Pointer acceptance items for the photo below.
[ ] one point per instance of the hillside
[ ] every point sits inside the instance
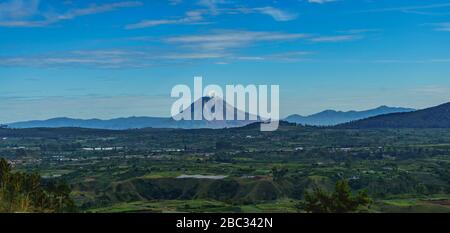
(325, 118)
(435, 117)
(332, 117)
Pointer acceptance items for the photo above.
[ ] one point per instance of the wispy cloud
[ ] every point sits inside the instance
(293, 56)
(212, 5)
(82, 58)
(222, 40)
(31, 16)
(408, 9)
(321, 1)
(217, 46)
(95, 9)
(190, 18)
(338, 38)
(418, 61)
(125, 59)
(276, 14)
(111, 59)
(175, 2)
(360, 30)
(190, 56)
(198, 16)
(345, 35)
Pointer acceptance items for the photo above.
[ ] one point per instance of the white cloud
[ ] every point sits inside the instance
(111, 59)
(32, 17)
(198, 16)
(212, 5)
(409, 9)
(276, 14)
(175, 2)
(191, 17)
(360, 30)
(231, 39)
(321, 1)
(152, 23)
(117, 59)
(195, 56)
(83, 58)
(339, 38)
(215, 47)
(95, 9)
(286, 56)
(291, 56)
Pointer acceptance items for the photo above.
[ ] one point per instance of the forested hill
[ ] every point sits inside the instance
(435, 117)
(332, 117)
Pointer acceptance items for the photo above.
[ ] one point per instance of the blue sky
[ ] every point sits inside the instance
(107, 59)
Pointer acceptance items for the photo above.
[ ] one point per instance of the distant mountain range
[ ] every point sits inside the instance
(118, 123)
(332, 117)
(435, 117)
(141, 122)
(381, 117)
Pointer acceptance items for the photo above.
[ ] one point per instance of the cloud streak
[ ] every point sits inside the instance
(32, 17)
(218, 46)
(223, 40)
(134, 59)
(276, 14)
(199, 16)
(321, 1)
(338, 38)
(190, 18)
(408, 9)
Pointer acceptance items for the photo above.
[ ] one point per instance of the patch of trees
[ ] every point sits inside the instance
(223, 145)
(279, 173)
(21, 192)
(341, 200)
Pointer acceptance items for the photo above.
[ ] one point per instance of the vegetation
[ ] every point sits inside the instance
(235, 170)
(20, 192)
(340, 201)
(435, 117)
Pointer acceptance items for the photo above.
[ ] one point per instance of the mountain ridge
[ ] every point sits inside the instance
(433, 117)
(135, 122)
(324, 118)
(332, 117)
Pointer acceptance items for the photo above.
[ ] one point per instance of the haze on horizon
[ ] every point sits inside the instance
(119, 58)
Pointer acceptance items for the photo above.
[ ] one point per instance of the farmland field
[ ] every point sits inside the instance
(236, 170)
